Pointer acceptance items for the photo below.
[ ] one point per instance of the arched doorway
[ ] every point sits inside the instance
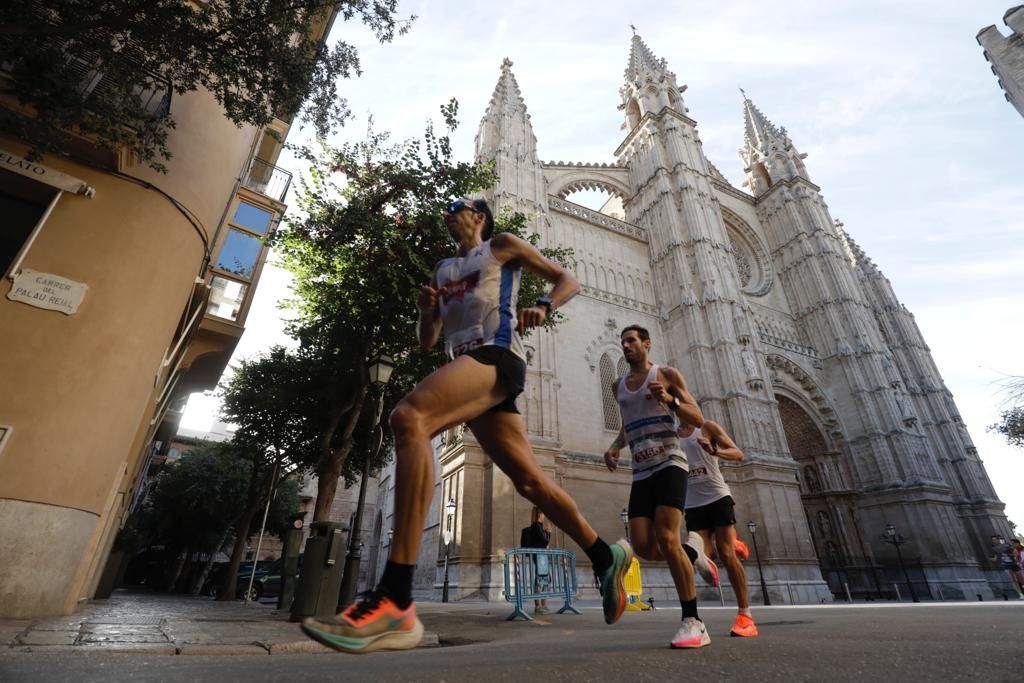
(828, 497)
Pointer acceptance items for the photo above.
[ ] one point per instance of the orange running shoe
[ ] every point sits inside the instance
(372, 623)
(743, 627)
(742, 551)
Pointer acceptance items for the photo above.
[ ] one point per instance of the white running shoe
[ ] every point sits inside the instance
(692, 634)
(703, 564)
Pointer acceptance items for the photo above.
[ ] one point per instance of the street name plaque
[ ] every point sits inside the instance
(44, 290)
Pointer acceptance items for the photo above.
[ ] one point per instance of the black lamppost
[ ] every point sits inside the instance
(449, 510)
(896, 541)
(624, 515)
(380, 370)
(752, 528)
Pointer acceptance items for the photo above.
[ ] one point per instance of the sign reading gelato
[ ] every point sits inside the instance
(43, 290)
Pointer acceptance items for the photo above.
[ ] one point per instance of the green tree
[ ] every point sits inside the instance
(367, 238)
(194, 503)
(1011, 426)
(264, 399)
(101, 68)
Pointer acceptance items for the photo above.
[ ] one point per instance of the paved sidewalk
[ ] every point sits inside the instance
(164, 624)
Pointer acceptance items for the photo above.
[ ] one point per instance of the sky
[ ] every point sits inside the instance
(904, 125)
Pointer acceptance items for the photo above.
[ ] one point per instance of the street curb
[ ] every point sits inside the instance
(121, 649)
(310, 647)
(214, 649)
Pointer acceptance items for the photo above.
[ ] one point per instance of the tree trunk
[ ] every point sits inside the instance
(197, 585)
(178, 566)
(333, 462)
(230, 585)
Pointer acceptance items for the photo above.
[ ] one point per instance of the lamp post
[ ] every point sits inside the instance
(380, 370)
(624, 515)
(895, 540)
(449, 510)
(752, 528)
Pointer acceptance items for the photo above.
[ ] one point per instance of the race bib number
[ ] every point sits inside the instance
(466, 340)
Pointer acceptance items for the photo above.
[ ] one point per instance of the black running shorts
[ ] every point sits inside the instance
(511, 373)
(665, 487)
(720, 513)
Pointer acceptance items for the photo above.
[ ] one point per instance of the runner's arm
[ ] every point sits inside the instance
(428, 325)
(688, 411)
(507, 247)
(611, 456)
(720, 443)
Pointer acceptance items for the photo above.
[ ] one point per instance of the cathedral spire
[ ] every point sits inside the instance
(768, 153)
(506, 137)
(649, 87)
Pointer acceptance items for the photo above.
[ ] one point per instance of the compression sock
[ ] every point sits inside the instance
(397, 583)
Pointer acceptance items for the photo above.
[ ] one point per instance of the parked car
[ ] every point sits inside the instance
(265, 583)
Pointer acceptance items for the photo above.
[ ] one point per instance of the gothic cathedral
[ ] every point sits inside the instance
(787, 334)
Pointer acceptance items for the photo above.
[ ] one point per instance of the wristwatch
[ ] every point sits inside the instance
(675, 403)
(544, 301)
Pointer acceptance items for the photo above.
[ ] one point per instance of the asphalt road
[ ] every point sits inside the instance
(927, 642)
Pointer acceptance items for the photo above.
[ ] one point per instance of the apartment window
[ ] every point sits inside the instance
(237, 260)
(240, 253)
(22, 203)
(226, 298)
(252, 217)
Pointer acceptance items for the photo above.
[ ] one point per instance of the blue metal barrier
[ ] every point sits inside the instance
(539, 574)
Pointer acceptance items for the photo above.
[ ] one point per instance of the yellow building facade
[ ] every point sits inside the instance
(124, 290)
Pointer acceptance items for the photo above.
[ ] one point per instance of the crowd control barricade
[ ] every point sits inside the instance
(539, 574)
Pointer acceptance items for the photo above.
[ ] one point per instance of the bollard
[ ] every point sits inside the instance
(899, 598)
(316, 593)
(289, 565)
(846, 587)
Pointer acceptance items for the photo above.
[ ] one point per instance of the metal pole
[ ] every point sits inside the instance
(906, 575)
(444, 590)
(350, 578)
(760, 571)
(846, 587)
(263, 526)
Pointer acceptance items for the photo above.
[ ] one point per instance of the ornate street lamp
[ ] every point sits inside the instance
(895, 540)
(379, 371)
(624, 515)
(449, 509)
(752, 528)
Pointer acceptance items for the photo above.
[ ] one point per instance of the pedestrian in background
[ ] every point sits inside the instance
(538, 535)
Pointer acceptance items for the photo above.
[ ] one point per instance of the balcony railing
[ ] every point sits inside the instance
(267, 179)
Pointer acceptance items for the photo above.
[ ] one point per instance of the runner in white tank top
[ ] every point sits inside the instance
(710, 511)
(474, 296)
(653, 401)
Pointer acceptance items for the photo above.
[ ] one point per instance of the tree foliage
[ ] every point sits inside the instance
(94, 65)
(1011, 426)
(368, 235)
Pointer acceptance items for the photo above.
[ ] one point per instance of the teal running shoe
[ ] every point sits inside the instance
(612, 588)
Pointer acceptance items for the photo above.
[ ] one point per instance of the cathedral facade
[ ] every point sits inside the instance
(787, 334)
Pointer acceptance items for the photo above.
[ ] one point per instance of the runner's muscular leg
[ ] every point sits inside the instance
(452, 394)
(503, 437)
(667, 521)
(725, 536)
(641, 535)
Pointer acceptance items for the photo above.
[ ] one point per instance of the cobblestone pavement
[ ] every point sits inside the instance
(150, 623)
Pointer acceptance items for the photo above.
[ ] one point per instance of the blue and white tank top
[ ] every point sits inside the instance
(478, 305)
(650, 427)
(705, 483)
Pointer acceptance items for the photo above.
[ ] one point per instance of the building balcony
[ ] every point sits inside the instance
(267, 179)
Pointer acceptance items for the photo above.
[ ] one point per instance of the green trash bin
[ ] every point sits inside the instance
(316, 594)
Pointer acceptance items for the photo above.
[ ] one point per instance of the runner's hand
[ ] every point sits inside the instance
(659, 392)
(611, 459)
(706, 443)
(426, 300)
(533, 316)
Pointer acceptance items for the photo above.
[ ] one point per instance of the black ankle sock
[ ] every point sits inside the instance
(397, 583)
(689, 608)
(600, 555)
(690, 553)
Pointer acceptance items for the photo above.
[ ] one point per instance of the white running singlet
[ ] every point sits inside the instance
(650, 428)
(705, 483)
(478, 306)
